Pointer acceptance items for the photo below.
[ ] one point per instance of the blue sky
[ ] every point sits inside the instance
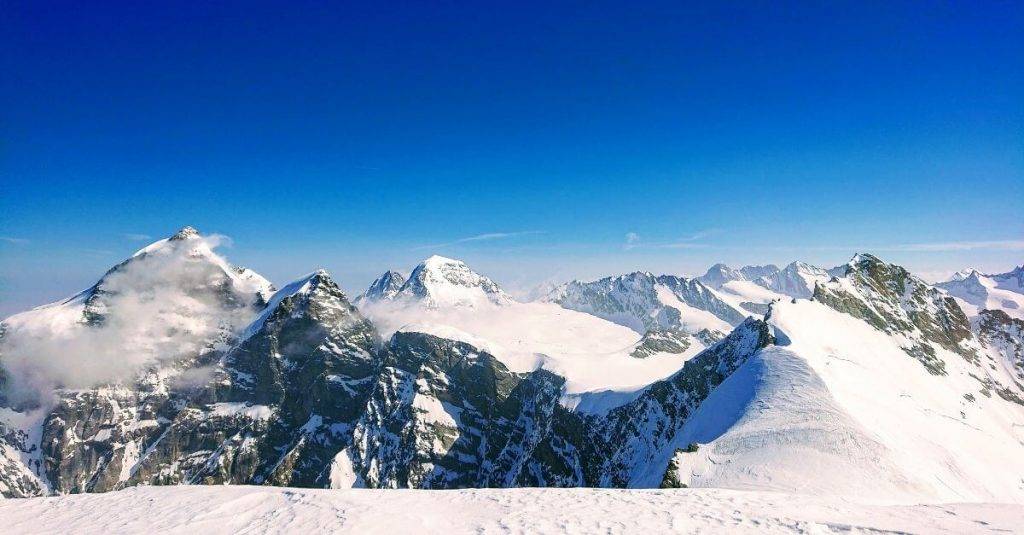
(534, 141)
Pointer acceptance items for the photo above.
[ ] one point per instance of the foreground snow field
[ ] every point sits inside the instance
(242, 509)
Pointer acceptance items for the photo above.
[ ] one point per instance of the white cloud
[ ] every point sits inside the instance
(166, 305)
(686, 242)
(632, 240)
(15, 241)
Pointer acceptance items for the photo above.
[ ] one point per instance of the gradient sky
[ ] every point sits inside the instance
(536, 142)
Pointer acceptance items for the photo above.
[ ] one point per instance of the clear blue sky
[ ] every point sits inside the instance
(359, 137)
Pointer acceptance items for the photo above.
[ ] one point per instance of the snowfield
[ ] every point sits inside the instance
(242, 509)
(591, 353)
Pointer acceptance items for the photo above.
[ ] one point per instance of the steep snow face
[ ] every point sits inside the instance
(642, 301)
(384, 287)
(837, 408)
(444, 282)
(975, 291)
(170, 300)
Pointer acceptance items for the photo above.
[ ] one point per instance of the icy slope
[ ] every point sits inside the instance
(231, 510)
(838, 407)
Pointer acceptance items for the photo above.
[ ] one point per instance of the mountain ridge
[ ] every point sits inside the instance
(444, 381)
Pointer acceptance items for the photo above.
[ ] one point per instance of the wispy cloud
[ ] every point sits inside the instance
(137, 237)
(691, 241)
(632, 240)
(16, 241)
(490, 236)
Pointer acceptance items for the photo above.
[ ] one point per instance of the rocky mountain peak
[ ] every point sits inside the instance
(385, 287)
(185, 233)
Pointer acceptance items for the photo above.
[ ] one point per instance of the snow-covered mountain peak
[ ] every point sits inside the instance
(976, 291)
(795, 280)
(864, 261)
(173, 301)
(963, 274)
(185, 233)
(719, 274)
(315, 295)
(436, 282)
(384, 287)
(1012, 280)
(643, 301)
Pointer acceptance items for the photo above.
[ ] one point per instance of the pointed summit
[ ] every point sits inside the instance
(185, 233)
(719, 274)
(315, 295)
(383, 288)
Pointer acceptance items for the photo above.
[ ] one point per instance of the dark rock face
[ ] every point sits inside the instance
(1005, 335)
(273, 409)
(661, 341)
(445, 415)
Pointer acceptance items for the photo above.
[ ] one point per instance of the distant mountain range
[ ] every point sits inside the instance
(177, 367)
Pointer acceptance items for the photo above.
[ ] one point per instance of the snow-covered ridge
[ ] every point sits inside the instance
(643, 301)
(795, 280)
(443, 381)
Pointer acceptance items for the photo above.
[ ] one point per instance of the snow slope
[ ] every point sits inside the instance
(838, 408)
(240, 509)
